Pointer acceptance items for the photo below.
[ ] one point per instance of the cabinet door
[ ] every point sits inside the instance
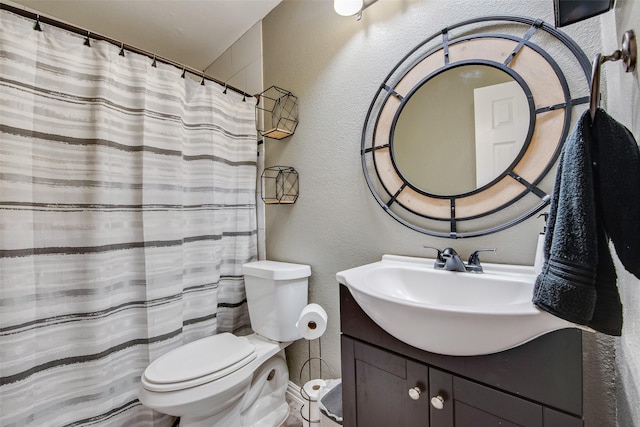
(468, 404)
(471, 404)
(382, 384)
(498, 406)
(376, 384)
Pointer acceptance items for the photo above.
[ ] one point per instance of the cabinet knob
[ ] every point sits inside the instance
(437, 402)
(415, 392)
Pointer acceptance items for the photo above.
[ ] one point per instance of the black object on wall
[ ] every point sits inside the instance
(572, 11)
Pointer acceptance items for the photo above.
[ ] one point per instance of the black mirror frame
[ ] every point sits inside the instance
(459, 216)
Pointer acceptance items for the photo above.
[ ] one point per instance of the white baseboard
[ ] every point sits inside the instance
(293, 393)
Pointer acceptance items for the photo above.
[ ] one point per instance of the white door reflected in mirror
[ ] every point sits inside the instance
(501, 124)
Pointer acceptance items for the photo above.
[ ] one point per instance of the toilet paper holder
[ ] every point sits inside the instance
(309, 411)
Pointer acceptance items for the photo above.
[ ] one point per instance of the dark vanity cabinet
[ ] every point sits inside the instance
(387, 383)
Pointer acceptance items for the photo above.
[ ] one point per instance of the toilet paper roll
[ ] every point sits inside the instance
(312, 322)
(311, 411)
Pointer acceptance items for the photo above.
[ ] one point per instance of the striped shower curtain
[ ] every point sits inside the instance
(127, 208)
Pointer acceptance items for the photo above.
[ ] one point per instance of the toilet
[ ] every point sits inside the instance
(235, 381)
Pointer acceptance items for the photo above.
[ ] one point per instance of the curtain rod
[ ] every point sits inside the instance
(77, 30)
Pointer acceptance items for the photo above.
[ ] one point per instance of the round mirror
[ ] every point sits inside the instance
(461, 136)
(461, 129)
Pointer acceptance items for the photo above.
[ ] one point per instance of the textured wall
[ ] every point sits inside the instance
(335, 65)
(623, 102)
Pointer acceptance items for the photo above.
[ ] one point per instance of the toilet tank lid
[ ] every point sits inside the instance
(276, 270)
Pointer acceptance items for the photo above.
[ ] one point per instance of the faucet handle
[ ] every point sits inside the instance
(474, 258)
(439, 256)
(439, 263)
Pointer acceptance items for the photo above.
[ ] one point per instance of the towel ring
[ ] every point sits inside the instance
(629, 55)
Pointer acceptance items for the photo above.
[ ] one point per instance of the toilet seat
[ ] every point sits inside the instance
(199, 362)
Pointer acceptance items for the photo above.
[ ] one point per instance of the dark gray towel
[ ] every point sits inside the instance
(566, 285)
(578, 281)
(618, 183)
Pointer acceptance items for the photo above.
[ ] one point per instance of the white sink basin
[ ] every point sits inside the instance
(459, 314)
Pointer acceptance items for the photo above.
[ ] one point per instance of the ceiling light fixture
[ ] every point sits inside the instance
(351, 7)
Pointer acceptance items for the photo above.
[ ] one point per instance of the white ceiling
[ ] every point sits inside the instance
(191, 32)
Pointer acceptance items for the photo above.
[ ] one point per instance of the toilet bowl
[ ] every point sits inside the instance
(235, 381)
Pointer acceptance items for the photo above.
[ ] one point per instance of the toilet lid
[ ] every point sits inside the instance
(199, 362)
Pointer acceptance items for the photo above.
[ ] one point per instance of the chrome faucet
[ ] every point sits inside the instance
(452, 261)
(448, 259)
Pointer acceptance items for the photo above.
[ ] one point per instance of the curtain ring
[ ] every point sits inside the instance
(37, 24)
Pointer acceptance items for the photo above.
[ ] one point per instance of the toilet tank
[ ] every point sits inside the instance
(276, 294)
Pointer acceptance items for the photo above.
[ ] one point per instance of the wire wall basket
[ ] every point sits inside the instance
(280, 185)
(276, 113)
